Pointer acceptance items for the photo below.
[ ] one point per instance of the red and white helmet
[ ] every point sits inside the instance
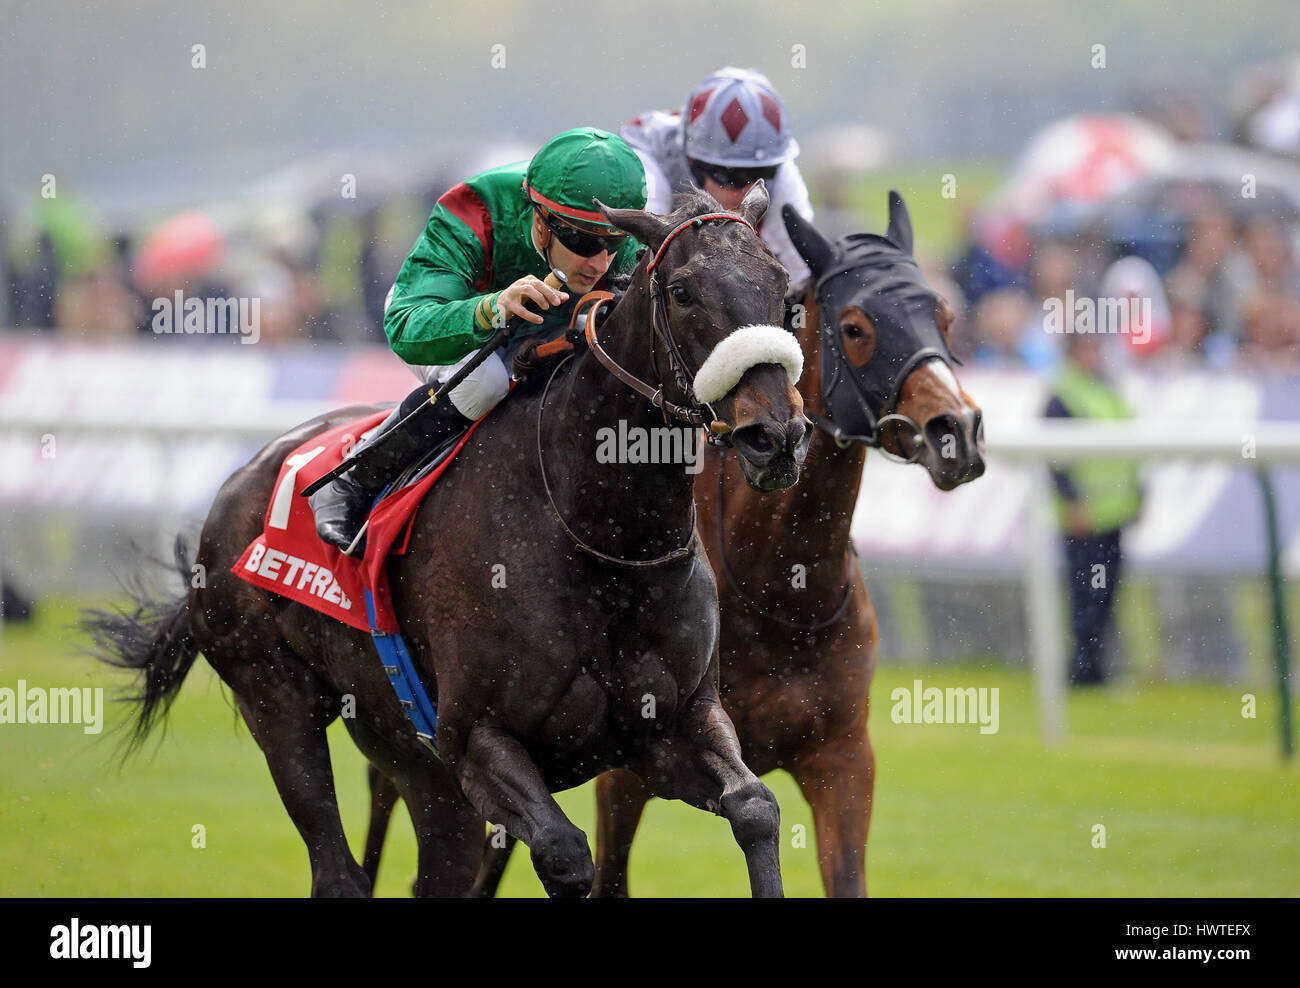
(735, 119)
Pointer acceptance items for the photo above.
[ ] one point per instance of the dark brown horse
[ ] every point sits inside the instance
(599, 652)
(798, 630)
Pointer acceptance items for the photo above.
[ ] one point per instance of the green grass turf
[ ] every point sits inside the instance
(1194, 799)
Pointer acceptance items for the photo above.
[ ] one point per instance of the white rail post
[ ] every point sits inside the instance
(1043, 604)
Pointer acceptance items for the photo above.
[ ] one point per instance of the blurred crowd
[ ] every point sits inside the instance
(1215, 269)
(1230, 297)
(1208, 245)
(319, 273)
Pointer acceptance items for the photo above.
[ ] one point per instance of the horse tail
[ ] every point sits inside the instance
(154, 639)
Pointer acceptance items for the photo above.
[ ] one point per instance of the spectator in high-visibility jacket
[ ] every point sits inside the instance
(1095, 500)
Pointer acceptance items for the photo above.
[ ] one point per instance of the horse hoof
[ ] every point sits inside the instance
(342, 887)
(564, 866)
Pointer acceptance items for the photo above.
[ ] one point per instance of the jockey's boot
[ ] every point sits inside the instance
(341, 508)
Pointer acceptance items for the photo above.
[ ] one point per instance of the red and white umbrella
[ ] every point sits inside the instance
(186, 245)
(1068, 167)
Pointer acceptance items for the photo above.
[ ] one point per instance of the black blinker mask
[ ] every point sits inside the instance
(876, 276)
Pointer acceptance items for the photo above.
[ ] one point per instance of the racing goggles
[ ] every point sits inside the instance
(731, 178)
(579, 241)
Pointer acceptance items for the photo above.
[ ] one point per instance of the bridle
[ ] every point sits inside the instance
(693, 414)
(865, 398)
(668, 557)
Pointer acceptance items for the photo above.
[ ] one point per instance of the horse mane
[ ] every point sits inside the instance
(621, 282)
(691, 200)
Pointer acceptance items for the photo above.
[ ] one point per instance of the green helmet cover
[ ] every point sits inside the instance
(573, 168)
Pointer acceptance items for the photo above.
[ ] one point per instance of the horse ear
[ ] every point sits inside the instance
(755, 203)
(648, 228)
(811, 245)
(900, 223)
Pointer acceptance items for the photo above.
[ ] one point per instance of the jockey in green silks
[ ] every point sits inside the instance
(480, 261)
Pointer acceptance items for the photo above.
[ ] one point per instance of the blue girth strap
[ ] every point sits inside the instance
(406, 681)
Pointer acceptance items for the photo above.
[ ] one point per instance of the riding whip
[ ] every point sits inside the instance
(555, 280)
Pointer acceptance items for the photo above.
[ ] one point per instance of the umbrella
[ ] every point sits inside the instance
(1078, 161)
(186, 245)
(1153, 213)
(1251, 181)
(1064, 172)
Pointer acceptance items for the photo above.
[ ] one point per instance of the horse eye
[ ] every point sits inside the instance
(852, 330)
(680, 293)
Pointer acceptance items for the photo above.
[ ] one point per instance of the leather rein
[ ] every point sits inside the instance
(669, 557)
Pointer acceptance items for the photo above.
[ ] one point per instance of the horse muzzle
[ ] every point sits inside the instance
(754, 370)
(771, 454)
(953, 452)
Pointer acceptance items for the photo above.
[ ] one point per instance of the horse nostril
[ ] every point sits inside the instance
(796, 433)
(798, 439)
(976, 418)
(757, 442)
(945, 435)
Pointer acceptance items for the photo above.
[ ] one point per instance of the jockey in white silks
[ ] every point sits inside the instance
(732, 131)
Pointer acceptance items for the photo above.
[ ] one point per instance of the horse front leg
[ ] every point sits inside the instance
(838, 780)
(504, 784)
(448, 831)
(700, 764)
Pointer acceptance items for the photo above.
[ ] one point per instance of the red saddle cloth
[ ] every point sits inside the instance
(290, 559)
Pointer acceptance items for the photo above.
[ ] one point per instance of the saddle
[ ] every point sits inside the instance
(289, 559)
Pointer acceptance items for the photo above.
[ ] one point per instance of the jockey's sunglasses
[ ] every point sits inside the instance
(578, 241)
(732, 178)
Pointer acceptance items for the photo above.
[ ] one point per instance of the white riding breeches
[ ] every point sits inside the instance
(479, 393)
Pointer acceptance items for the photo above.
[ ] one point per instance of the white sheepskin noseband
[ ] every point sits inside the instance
(747, 347)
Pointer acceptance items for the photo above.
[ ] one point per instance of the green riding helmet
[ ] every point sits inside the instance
(573, 168)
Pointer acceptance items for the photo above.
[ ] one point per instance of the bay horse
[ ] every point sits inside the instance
(609, 608)
(799, 635)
